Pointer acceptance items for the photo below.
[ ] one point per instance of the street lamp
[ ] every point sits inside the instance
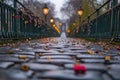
(60, 24)
(68, 31)
(80, 13)
(54, 25)
(51, 20)
(45, 11)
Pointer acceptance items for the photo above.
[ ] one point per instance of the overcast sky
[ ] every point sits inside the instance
(58, 5)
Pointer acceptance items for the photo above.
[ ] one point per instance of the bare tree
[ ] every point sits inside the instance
(36, 7)
(71, 6)
(69, 10)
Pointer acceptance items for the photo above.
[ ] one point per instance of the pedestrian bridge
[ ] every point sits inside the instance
(17, 22)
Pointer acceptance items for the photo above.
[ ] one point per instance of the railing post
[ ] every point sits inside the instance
(89, 25)
(112, 31)
(15, 4)
(2, 20)
(96, 31)
(15, 21)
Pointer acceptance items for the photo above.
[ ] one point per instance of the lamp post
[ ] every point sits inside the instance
(80, 13)
(45, 11)
(60, 24)
(51, 20)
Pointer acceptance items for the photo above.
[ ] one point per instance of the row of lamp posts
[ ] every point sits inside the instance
(80, 13)
(45, 12)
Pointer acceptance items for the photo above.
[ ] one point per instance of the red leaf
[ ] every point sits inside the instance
(79, 68)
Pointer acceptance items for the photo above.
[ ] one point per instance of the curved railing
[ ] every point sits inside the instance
(14, 24)
(105, 26)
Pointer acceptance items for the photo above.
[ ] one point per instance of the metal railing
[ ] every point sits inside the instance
(14, 24)
(105, 26)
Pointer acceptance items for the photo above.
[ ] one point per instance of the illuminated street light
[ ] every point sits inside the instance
(54, 25)
(45, 11)
(80, 13)
(51, 20)
(68, 31)
(74, 24)
(60, 24)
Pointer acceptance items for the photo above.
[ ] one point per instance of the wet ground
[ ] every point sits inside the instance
(59, 59)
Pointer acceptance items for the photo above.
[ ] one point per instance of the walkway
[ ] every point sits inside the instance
(58, 59)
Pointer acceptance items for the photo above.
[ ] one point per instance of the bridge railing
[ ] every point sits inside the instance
(104, 26)
(16, 23)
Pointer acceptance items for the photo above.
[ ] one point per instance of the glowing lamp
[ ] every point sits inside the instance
(80, 12)
(51, 20)
(45, 10)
